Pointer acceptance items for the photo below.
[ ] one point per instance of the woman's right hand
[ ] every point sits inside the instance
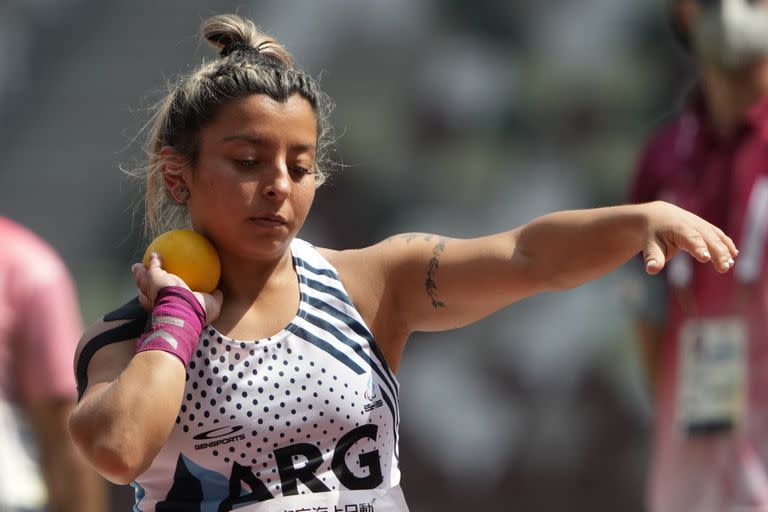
(152, 278)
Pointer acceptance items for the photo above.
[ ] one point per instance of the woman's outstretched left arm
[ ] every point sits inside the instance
(422, 282)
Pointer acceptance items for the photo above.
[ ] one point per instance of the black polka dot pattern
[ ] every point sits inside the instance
(313, 383)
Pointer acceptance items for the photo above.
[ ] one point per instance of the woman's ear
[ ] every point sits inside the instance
(174, 165)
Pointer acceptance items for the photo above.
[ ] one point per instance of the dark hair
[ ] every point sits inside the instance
(251, 62)
(679, 31)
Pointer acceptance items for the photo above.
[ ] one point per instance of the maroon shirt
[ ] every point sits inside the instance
(688, 163)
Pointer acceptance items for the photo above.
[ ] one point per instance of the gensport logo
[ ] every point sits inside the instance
(219, 436)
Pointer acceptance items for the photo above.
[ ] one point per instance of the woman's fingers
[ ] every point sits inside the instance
(154, 262)
(150, 279)
(696, 241)
(139, 275)
(719, 245)
(211, 303)
(700, 239)
(725, 239)
(655, 254)
(144, 301)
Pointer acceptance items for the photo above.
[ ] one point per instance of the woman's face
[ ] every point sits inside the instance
(254, 182)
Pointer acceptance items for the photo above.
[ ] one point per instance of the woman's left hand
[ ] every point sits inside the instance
(669, 229)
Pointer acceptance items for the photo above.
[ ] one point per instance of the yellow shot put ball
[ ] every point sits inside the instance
(190, 256)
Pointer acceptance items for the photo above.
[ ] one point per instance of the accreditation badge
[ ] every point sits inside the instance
(712, 376)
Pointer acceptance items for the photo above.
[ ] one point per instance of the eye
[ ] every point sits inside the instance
(302, 170)
(247, 163)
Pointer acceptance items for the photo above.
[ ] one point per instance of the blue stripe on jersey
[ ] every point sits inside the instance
(139, 495)
(330, 290)
(358, 329)
(318, 271)
(396, 426)
(322, 324)
(332, 330)
(324, 345)
(351, 323)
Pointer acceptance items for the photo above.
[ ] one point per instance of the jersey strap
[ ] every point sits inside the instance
(136, 318)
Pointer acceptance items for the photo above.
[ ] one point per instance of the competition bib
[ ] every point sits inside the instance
(374, 500)
(712, 375)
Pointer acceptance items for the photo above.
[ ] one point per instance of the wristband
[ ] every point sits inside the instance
(177, 321)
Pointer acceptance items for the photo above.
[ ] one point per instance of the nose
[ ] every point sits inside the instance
(277, 184)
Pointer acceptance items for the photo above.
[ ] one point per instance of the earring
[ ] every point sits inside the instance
(181, 195)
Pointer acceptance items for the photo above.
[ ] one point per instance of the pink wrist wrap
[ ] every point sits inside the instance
(177, 320)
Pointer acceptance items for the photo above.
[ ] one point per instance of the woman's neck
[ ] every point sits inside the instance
(244, 279)
(730, 94)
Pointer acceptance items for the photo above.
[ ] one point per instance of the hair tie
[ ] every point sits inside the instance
(239, 47)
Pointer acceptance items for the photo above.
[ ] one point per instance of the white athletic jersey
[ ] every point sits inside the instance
(287, 422)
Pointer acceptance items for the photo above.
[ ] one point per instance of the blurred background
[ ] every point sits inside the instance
(454, 117)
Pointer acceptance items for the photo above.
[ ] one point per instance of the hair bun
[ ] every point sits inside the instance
(233, 32)
(235, 47)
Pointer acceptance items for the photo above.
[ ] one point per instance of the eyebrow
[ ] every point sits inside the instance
(260, 141)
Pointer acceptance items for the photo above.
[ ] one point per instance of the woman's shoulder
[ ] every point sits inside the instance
(125, 323)
(359, 271)
(344, 261)
(323, 259)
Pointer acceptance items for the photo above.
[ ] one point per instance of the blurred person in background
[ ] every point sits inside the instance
(280, 391)
(705, 336)
(39, 328)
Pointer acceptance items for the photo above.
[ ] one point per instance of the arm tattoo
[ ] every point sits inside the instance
(408, 237)
(432, 266)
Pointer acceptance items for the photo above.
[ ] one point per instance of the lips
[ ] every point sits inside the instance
(268, 220)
